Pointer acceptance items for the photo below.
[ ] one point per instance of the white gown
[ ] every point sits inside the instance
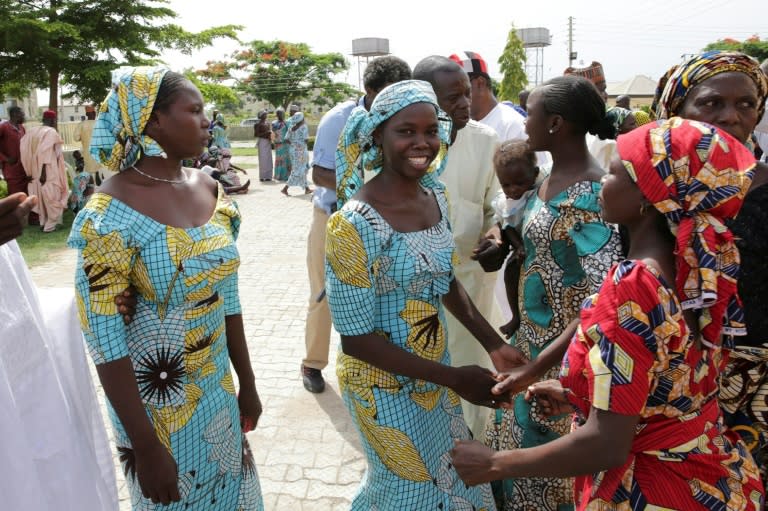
(55, 453)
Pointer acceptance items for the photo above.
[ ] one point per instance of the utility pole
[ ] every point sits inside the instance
(571, 54)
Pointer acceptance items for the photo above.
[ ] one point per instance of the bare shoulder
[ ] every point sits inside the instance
(199, 178)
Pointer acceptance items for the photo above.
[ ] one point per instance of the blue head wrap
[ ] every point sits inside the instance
(118, 135)
(357, 152)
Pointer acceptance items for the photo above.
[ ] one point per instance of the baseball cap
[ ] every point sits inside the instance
(471, 62)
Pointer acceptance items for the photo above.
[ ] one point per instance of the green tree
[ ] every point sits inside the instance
(512, 65)
(752, 46)
(79, 42)
(282, 73)
(223, 97)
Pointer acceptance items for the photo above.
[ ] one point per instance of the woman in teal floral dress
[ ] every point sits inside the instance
(170, 232)
(568, 251)
(282, 153)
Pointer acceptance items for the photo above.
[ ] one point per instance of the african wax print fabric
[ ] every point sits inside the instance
(617, 115)
(699, 68)
(78, 196)
(282, 164)
(568, 251)
(219, 134)
(118, 138)
(297, 149)
(744, 384)
(641, 117)
(633, 355)
(390, 283)
(186, 282)
(594, 72)
(358, 153)
(696, 175)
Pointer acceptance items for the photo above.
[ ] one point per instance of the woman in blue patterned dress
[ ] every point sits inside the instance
(297, 135)
(170, 232)
(389, 271)
(282, 156)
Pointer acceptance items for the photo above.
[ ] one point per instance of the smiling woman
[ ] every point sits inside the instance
(389, 271)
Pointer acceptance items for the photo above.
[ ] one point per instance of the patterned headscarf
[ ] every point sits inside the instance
(617, 115)
(641, 117)
(118, 135)
(594, 72)
(696, 175)
(655, 105)
(706, 65)
(357, 151)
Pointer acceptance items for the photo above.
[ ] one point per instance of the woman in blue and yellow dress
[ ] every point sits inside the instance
(170, 232)
(389, 271)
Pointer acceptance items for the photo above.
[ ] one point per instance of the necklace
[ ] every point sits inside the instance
(153, 178)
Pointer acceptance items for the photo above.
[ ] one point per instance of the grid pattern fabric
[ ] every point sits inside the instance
(186, 281)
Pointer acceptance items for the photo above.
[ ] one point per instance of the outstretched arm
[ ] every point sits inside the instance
(602, 443)
(458, 302)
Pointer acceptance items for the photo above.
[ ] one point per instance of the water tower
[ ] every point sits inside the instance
(365, 48)
(534, 41)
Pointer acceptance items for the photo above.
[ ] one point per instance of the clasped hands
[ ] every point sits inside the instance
(477, 464)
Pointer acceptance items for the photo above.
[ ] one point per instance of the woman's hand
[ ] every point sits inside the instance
(474, 383)
(551, 396)
(474, 462)
(158, 474)
(126, 304)
(512, 382)
(250, 407)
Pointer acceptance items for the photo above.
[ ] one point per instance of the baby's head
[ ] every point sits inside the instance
(77, 155)
(516, 168)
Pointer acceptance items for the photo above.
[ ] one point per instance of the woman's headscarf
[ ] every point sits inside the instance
(617, 115)
(696, 175)
(293, 120)
(357, 151)
(706, 65)
(118, 135)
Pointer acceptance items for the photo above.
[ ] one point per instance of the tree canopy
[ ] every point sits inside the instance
(282, 73)
(80, 42)
(752, 46)
(512, 64)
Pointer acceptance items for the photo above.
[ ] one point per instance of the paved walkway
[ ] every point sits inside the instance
(307, 451)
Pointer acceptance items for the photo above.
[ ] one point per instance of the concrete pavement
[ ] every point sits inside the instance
(306, 448)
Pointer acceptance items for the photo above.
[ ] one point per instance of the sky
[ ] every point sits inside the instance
(628, 38)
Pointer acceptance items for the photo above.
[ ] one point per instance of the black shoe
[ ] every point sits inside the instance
(313, 379)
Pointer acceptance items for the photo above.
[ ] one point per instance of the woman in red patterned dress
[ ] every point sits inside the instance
(641, 372)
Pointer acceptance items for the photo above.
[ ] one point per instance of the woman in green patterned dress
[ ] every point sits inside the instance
(568, 251)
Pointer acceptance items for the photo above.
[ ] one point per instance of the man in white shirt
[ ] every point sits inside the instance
(485, 108)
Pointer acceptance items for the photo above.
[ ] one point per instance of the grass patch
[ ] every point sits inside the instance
(244, 151)
(37, 246)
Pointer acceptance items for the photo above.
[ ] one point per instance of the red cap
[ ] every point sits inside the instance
(49, 114)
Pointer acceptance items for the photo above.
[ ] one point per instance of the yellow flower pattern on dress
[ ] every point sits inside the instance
(186, 282)
(383, 283)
